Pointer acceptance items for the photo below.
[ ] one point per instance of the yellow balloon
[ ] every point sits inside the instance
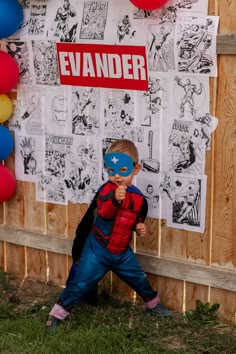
(6, 108)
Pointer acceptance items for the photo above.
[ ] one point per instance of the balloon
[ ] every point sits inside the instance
(6, 142)
(148, 4)
(6, 108)
(9, 72)
(7, 183)
(11, 16)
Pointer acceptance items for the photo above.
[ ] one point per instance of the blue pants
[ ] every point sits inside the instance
(94, 263)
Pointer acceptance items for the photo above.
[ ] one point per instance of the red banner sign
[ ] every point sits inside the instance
(103, 65)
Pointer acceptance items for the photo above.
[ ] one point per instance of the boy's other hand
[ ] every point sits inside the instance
(120, 193)
(141, 229)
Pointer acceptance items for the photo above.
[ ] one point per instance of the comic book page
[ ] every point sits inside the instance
(31, 119)
(50, 183)
(121, 27)
(160, 50)
(186, 149)
(29, 157)
(118, 110)
(85, 106)
(63, 20)
(38, 11)
(187, 202)
(195, 45)
(56, 109)
(82, 174)
(45, 63)
(94, 20)
(150, 153)
(188, 96)
(150, 189)
(153, 103)
(19, 50)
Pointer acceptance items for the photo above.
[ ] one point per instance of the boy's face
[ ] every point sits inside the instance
(120, 168)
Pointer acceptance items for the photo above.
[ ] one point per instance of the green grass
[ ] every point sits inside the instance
(110, 328)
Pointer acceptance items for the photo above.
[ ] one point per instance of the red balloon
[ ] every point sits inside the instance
(149, 4)
(9, 72)
(7, 183)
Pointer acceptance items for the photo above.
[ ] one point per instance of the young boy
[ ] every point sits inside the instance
(120, 209)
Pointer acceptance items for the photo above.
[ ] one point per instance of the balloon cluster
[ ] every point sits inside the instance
(11, 16)
(148, 4)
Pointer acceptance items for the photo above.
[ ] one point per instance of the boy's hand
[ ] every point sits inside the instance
(120, 193)
(141, 229)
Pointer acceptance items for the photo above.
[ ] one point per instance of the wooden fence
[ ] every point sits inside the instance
(36, 238)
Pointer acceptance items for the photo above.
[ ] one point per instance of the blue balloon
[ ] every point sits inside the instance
(11, 16)
(6, 142)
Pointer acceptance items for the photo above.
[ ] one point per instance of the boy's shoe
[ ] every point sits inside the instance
(160, 311)
(53, 323)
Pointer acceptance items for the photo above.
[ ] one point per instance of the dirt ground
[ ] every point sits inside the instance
(26, 292)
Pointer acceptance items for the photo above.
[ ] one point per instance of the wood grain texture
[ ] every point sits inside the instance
(195, 292)
(36, 264)
(35, 216)
(2, 256)
(15, 259)
(171, 292)
(57, 268)
(226, 44)
(15, 215)
(172, 268)
(191, 272)
(149, 243)
(35, 220)
(56, 219)
(75, 212)
(224, 221)
(227, 301)
(227, 13)
(1, 213)
(14, 207)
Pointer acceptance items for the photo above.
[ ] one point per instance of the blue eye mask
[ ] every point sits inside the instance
(118, 163)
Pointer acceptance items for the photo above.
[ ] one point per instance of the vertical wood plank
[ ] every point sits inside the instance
(56, 216)
(1, 213)
(173, 243)
(224, 229)
(195, 292)
(58, 268)
(149, 243)
(14, 207)
(227, 15)
(36, 264)
(34, 211)
(15, 259)
(14, 216)
(1, 256)
(35, 220)
(227, 301)
(171, 293)
(56, 219)
(75, 212)
(224, 243)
